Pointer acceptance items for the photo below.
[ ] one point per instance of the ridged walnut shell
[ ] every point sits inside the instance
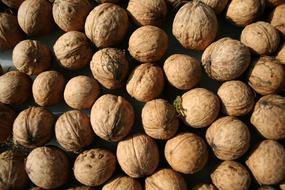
(277, 18)
(7, 117)
(14, 4)
(217, 5)
(122, 183)
(204, 187)
(281, 54)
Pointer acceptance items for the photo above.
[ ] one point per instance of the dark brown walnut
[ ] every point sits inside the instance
(274, 3)
(73, 50)
(73, 131)
(261, 38)
(236, 97)
(148, 44)
(186, 153)
(229, 138)
(159, 119)
(277, 18)
(94, 167)
(266, 188)
(148, 12)
(110, 67)
(138, 155)
(217, 5)
(7, 117)
(48, 88)
(195, 25)
(12, 171)
(266, 163)
(182, 71)
(47, 167)
(226, 59)
(268, 117)
(106, 25)
(112, 117)
(266, 75)
(281, 54)
(15, 88)
(231, 175)
(81, 188)
(31, 57)
(35, 17)
(146, 82)
(165, 179)
(122, 183)
(81, 92)
(14, 4)
(204, 187)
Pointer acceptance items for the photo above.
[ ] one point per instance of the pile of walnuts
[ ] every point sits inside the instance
(120, 102)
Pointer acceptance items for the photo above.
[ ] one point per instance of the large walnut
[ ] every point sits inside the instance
(14, 4)
(217, 5)
(7, 117)
(277, 18)
(122, 183)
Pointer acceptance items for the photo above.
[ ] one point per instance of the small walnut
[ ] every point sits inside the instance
(274, 3)
(226, 59)
(7, 117)
(122, 183)
(110, 67)
(281, 54)
(277, 18)
(217, 5)
(148, 44)
(267, 163)
(138, 155)
(94, 167)
(186, 153)
(266, 188)
(204, 187)
(106, 25)
(195, 25)
(182, 71)
(14, 4)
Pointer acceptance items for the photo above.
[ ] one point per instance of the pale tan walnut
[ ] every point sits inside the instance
(236, 97)
(281, 54)
(7, 117)
(282, 186)
(94, 167)
(186, 153)
(217, 5)
(14, 4)
(110, 67)
(12, 171)
(15, 88)
(148, 44)
(268, 117)
(73, 131)
(242, 13)
(165, 179)
(47, 167)
(229, 138)
(277, 18)
(274, 3)
(138, 155)
(81, 92)
(73, 50)
(31, 57)
(226, 59)
(182, 71)
(195, 25)
(148, 12)
(266, 163)
(266, 75)
(48, 88)
(35, 17)
(106, 25)
(231, 175)
(122, 183)
(112, 117)
(261, 38)
(33, 127)
(159, 119)
(266, 188)
(204, 187)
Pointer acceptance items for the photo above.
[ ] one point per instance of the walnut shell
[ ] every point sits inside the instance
(182, 71)
(274, 3)
(15, 88)
(148, 44)
(47, 167)
(106, 25)
(186, 153)
(81, 92)
(138, 155)
(14, 4)
(204, 187)
(231, 175)
(73, 130)
(35, 17)
(229, 138)
(268, 117)
(122, 183)
(33, 127)
(31, 57)
(112, 117)
(282, 186)
(277, 18)
(261, 38)
(81, 188)
(266, 75)
(176, 3)
(159, 119)
(107, 1)
(94, 167)
(267, 163)
(266, 188)
(217, 5)
(195, 25)
(7, 117)
(226, 59)
(72, 50)
(48, 88)
(281, 54)
(146, 82)
(110, 67)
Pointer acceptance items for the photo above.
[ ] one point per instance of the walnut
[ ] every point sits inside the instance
(122, 183)
(176, 3)
(81, 188)
(217, 5)
(107, 1)
(204, 187)
(7, 117)
(14, 4)
(277, 18)
(281, 54)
